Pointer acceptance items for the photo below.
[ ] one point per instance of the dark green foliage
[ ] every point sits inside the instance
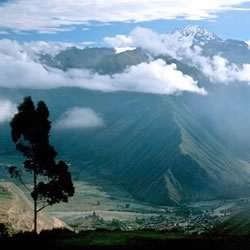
(30, 130)
(3, 231)
(59, 188)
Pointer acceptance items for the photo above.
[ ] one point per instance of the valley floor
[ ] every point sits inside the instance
(92, 209)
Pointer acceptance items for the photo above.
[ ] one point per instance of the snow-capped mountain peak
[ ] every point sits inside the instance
(198, 31)
(198, 34)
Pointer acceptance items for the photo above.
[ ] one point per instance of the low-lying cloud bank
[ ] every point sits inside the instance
(20, 68)
(183, 48)
(7, 110)
(219, 69)
(79, 118)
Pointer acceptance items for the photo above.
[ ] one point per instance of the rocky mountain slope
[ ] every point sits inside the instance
(16, 211)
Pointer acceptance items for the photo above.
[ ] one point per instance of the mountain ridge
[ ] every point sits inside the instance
(159, 152)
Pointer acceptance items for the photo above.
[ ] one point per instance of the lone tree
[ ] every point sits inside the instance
(52, 181)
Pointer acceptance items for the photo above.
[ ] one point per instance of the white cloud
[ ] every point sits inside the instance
(27, 50)
(248, 42)
(56, 30)
(155, 77)
(119, 50)
(219, 69)
(181, 45)
(55, 15)
(3, 32)
(119, 41)
(19, 70)
(7, 110)
(173, 44)
(85, 43)
(79, 118)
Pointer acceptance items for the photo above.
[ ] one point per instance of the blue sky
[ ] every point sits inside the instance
(92, 20)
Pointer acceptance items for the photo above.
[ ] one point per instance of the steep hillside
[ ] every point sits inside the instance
(160, 149)
(16, 211)
(223, 170)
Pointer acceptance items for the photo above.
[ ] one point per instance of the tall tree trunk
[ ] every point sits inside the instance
(35, 203)
(35, 216)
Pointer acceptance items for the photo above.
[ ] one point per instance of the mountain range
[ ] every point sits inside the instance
(162, 149)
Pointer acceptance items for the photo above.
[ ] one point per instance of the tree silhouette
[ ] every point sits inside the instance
(52, 182)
